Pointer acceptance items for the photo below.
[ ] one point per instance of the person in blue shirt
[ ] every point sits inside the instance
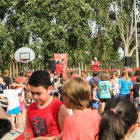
(104, 90)
(96, 100)
(125, 85)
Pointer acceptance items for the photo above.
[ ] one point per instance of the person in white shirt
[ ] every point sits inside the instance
(13, 106)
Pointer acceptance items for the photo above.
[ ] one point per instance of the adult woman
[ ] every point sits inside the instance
(125, 84)
(118, 120)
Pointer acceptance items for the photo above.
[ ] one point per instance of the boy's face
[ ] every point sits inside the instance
(39, 94)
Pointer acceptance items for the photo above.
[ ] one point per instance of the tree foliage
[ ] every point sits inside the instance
(81, 28)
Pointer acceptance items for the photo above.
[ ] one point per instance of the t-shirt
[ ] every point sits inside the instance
(94, 80)
(125, 86)
(104, 87)
(58, 69)
(19, 80)
(134, 78)
(95, 66)
(81, 126)
(44, 122)
(12, 95)
(61, 68)
(7, 80)
(135, 90)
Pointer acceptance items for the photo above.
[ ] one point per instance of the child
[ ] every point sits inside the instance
(13, 105)
(136, 96)
(46, 115)
(125, 84)
(84, 123)
(104, 89)
(118, 120)
(96, 100)
(22, 108)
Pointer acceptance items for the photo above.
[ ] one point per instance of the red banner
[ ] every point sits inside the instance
(62, 57)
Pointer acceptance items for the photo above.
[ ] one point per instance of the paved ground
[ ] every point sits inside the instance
(134, 136)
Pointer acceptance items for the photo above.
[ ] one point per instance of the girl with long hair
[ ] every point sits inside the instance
(125, 84)
(118, 120)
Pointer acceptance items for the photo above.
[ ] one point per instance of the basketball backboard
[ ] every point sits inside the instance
(24, 55)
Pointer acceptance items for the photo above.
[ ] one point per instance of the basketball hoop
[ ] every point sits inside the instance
(24, 60)
(24, 55)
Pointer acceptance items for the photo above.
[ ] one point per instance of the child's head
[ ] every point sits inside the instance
(12, 86)
(138, 79)
(57, 79)
(40, 86)
(115, 74)
(76, 93)
(83, 74)
(40, 78)
(130, 74)
(119, 118)
(95, 73)
(21, 73)
(55, 73)
(104, 77)
(94, 86)
(62, 81)
(124, 74)
(20, 94)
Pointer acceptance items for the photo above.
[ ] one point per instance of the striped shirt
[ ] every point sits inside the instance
(3, 102)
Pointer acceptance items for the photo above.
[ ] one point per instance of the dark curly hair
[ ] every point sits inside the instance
(40, 78)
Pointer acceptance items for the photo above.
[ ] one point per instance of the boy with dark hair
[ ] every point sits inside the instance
(46, 115)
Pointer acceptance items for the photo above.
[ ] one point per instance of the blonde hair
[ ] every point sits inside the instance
(78, 90)
(125, 75)
(104, 77)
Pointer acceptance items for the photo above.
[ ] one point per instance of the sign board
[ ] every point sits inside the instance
(64, 57)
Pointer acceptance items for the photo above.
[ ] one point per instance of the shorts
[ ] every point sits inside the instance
(14, 111)
(95, 105)
(104, 100)
(136, 100)
(127, 96)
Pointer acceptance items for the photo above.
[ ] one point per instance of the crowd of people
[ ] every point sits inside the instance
(46, 106)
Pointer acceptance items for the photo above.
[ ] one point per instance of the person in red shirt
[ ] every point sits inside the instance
(57, 68)
(61, 66)
(96, 65)
(71, 75)
(84, 123)
(46, 115)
